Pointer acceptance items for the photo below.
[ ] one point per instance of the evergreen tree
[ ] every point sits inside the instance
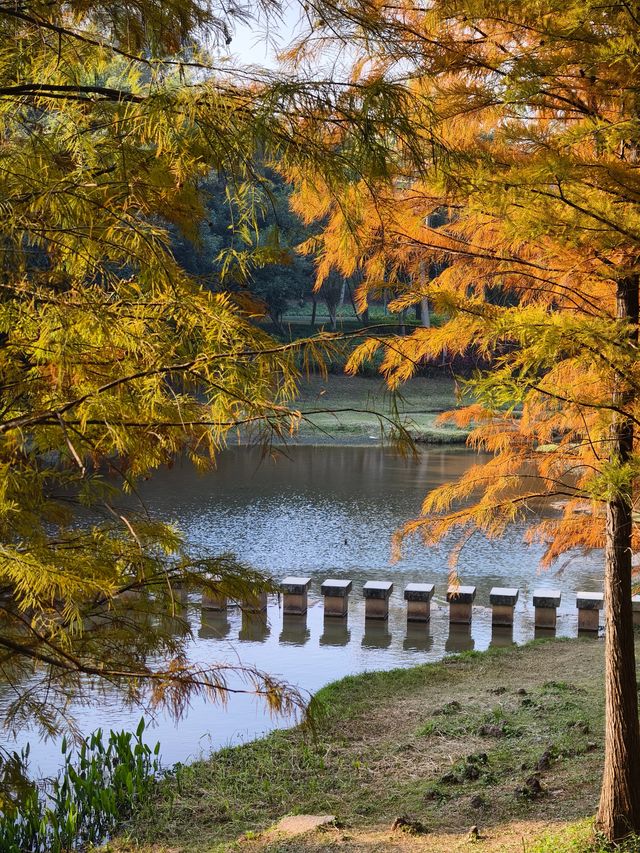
(279, 275)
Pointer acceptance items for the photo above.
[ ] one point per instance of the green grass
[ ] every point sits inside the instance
(371, 406)
(478, 739)
(417, 407)
(578, 838)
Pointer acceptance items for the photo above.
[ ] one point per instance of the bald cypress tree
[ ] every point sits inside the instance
(529, 115)
(113, 360)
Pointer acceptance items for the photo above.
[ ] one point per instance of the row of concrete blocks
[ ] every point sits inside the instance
(418, 597)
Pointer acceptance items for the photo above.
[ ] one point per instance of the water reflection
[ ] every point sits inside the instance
(255, 626)
(323, 513)
(418, 637)
(501, 636)
(376, 634)
(544, 633)
(585, 632)
(294, 629)
(460, 638)
(336, 631)
(214, 625)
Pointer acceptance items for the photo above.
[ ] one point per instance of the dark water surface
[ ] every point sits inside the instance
(323, 512)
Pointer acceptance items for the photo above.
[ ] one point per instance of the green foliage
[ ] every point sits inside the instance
(615, 480)
(114, 361)
(254, 251)
(100, 786)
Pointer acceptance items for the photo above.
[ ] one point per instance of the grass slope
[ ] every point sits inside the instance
(510, 740)
(419, 404)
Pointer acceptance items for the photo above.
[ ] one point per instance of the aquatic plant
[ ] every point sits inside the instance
(100, 786)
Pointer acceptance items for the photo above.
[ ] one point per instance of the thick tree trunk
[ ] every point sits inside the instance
(619, 810)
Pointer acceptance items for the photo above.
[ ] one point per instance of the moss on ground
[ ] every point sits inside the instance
(509, 740)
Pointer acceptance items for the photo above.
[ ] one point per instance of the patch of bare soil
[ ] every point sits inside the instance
(512, 837)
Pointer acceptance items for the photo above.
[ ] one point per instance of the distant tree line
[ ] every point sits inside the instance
(278, 275)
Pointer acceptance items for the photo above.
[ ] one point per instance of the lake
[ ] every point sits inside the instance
(322, 512)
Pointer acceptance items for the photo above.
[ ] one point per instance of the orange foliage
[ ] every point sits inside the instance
(518, 227)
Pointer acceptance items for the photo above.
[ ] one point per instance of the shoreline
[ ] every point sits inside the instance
(453, 744)
(353, 405)
(455, 443)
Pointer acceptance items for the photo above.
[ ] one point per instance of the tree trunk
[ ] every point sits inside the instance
(276, 319)
(619, 809)
(343, 290)
(332, 308)
(425, 314)
(313, 312)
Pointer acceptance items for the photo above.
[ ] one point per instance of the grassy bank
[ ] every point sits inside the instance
(418, 405)
(508, 740)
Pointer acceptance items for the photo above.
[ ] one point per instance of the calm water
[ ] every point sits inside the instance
(323, 512)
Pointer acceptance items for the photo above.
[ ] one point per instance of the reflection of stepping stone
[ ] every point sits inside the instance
(297, 824)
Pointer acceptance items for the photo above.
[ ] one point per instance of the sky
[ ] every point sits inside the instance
(256, 44)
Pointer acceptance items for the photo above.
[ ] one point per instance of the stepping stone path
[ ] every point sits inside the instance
(300, 823)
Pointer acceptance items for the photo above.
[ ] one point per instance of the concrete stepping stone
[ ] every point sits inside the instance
(376, 599)
(336, 596)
